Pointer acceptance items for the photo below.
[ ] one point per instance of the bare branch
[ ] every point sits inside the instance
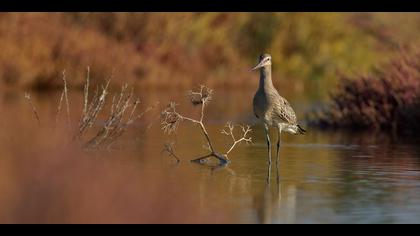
(170, 120)
(229, 131)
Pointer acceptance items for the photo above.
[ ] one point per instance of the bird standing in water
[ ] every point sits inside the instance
(272, 109)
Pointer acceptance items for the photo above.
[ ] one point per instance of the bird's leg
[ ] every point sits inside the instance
(278, 153)
(269, 153)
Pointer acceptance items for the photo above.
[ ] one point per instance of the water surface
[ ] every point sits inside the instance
(325, 177)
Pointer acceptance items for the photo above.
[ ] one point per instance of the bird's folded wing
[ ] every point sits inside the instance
(284, 111)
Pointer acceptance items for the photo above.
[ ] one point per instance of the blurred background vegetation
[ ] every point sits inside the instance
(184, 49)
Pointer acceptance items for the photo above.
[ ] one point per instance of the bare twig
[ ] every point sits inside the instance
(229, 131)
(28, 97)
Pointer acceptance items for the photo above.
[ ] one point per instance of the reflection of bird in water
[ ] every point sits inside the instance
(278, 204)
(272, 109)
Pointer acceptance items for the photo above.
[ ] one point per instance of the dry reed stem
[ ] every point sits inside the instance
(96, 105)
(65, 91)
(59, 108)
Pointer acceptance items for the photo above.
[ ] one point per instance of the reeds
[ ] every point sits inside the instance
(121, 114)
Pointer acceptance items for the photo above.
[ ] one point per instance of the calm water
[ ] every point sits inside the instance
(325, 177)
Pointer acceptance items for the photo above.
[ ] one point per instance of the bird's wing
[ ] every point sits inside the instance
(284, 111)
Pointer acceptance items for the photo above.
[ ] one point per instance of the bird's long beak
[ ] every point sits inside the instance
(258, 66)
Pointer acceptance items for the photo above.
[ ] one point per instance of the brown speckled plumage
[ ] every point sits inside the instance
(272, 109)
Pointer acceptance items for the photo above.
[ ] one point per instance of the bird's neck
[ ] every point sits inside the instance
(265, 78)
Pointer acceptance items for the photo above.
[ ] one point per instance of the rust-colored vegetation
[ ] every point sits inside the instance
(386, 100)
(186, 49)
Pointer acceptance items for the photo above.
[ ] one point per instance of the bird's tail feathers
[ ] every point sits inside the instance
(300, 130)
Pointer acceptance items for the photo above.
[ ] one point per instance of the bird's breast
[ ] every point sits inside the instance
(262, 109)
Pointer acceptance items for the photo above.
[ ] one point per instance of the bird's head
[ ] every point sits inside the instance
(264, 60)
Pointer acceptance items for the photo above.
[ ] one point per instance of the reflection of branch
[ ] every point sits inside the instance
(28, 97)
(169, 148)
(171, 120)
(228, 130)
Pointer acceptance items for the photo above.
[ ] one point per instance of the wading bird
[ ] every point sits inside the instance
(272, 109)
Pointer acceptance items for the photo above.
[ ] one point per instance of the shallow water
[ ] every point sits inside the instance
(325, 177)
